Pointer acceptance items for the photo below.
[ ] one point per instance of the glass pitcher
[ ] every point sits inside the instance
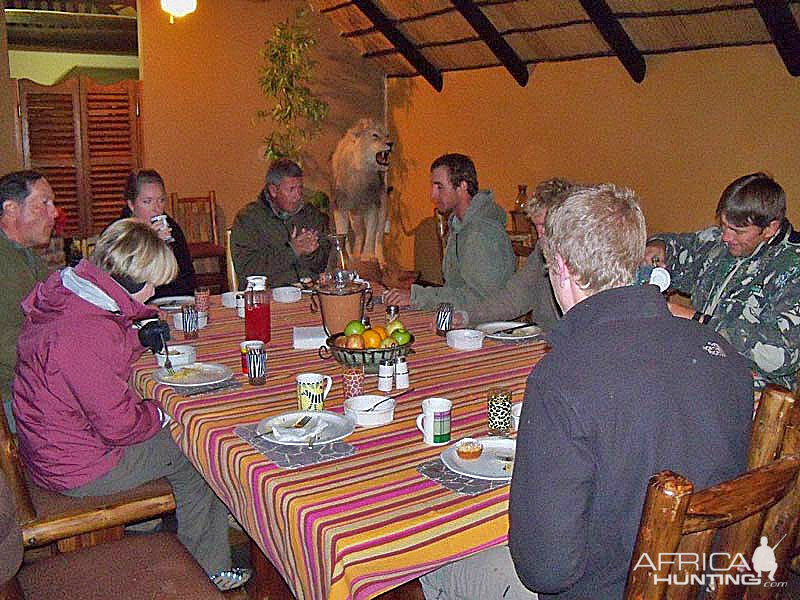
(257, 321)
(339, 267)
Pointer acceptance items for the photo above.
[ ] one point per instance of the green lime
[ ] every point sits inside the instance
(401, 336)
(354, 327)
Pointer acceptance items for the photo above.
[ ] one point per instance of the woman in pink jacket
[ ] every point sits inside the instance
(82, 430)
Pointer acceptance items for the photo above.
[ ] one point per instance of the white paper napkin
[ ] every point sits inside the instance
(311, 430)
(308, 338)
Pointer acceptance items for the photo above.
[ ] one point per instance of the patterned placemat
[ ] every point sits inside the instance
(293, 457)
(460, 484)
(199, 390)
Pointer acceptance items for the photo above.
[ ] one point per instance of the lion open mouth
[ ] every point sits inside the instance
(382, 158)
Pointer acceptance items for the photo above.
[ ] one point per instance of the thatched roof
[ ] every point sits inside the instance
(430, 37)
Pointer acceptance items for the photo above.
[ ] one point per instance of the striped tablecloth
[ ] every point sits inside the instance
(358, 526)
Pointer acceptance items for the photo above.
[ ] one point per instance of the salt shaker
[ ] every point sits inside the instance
(385, 375)
(401, 373)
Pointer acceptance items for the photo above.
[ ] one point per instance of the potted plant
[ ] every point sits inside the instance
(286, 73)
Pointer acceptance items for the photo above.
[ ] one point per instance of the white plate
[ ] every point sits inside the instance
(195, 374)
(171, 302)
(339, 426)
(487, 465)
(525, 333)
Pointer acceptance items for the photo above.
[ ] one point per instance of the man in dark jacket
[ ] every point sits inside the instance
(627, 390)
(27, 215)
(279, 235)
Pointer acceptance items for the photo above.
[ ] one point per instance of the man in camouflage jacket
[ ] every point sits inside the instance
(743, 276)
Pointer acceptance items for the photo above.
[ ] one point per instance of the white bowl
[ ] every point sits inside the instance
(465, 339)
(286, 294)
(177, 319)
(515, 412)
(356, 407)
(229, 299)
(179, 355)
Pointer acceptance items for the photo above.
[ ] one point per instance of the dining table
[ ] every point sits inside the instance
(360, 525)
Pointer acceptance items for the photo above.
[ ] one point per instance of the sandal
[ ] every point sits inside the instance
(231, 579)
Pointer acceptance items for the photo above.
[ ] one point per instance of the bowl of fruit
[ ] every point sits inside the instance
(359, 345)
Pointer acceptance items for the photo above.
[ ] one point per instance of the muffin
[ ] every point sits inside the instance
(469, 449)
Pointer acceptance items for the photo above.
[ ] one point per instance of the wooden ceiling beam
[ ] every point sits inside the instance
(615, 36)
(425, 68)
(783, 30)
(493, 39)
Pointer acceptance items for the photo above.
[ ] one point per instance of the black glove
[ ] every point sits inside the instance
(153, 333)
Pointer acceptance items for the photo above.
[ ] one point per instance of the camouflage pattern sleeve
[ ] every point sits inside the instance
(764, 323)
(686, 254)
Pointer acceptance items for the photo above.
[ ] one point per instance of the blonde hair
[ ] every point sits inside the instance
(548, 193)
(128, 248)
(600, 233)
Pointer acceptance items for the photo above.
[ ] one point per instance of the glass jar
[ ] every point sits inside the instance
(339, 266)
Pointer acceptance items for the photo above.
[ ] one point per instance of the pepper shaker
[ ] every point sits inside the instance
(385, 375)
(401, 373)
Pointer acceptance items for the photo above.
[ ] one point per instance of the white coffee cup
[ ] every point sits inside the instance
(229, 299)
(434, 422)
(516, 411)
(311, 393)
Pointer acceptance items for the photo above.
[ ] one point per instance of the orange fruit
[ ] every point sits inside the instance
(372, 339)
(381, 331)
(355, 341)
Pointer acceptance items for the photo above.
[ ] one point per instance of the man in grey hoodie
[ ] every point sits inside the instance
(478, 259)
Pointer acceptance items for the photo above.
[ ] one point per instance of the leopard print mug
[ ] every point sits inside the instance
(498, 406)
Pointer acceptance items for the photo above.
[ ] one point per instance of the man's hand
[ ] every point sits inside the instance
(305, 241)
(680, 310)
(655, 253)
(397, 297)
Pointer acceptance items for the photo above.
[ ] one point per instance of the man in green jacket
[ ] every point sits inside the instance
(279, 235)
(479, 259)
(27, 215)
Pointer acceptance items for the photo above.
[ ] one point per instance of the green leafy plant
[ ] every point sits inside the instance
(287, 70)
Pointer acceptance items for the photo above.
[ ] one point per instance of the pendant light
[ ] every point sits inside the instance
(178, 8)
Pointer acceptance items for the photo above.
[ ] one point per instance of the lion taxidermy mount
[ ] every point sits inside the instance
(359, 163)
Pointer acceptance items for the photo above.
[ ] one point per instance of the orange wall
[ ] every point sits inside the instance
(201, 93)
(697, 122)
(9, 156)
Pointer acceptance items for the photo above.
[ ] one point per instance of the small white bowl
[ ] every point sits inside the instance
(356, 407)
(465, 339)
(177, 319)
(286, 294)
(515, 412)
(229, 299)
(179, 355)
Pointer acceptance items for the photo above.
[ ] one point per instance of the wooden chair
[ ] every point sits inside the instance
(197, 216)
(48, 517)
(765, 501)
(233, 280)
(140, 567)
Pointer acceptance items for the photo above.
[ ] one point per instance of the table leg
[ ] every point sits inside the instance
(267, 583)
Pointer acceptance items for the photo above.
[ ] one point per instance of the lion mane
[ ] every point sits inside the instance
(359, 163)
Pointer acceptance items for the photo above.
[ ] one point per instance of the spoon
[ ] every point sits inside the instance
(377, 404)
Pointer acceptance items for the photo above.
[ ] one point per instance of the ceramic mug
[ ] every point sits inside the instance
(434, 422)
(311, 392)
